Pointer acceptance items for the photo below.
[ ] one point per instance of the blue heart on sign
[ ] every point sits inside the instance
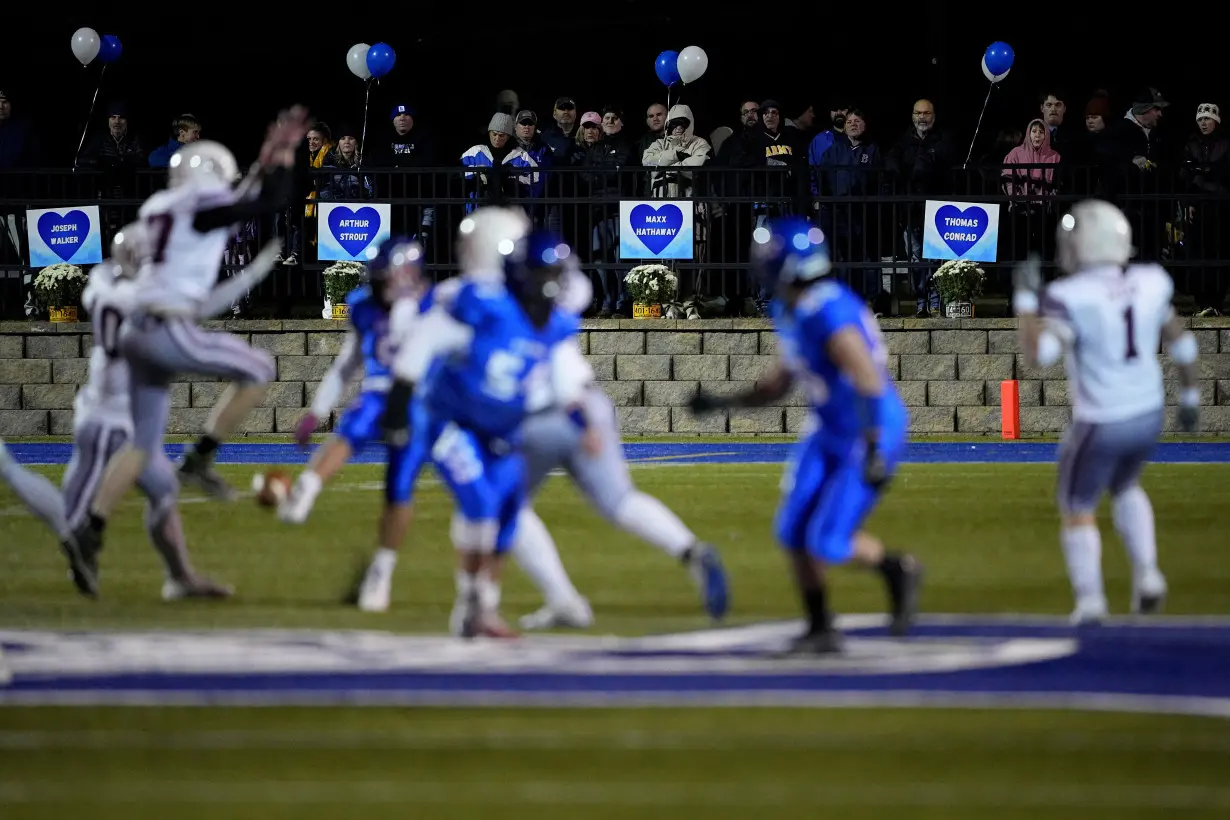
(354, 230)
(64, 233)
(656, 227)
(960, 229)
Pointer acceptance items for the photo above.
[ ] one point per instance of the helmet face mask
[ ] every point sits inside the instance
(202, 162)
(532, 273)
(129, 250)
(788, 255)
(397, 271)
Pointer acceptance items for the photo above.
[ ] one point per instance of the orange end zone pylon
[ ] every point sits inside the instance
(1010, 408)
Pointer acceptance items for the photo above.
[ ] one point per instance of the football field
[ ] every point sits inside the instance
(283, 703)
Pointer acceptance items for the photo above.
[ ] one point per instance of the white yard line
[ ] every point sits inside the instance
(624, 794)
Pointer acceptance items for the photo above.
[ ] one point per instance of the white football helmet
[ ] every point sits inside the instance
(203, 161)
(129, 250)
(1094, 232)
(486, 236)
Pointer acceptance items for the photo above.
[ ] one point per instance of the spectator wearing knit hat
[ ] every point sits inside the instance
(1206, 172)
(345, 157)
(489, 186)
(1100, 147)
(403, 145)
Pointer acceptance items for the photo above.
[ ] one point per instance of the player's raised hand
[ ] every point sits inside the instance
(1027, 285)
(284, 137)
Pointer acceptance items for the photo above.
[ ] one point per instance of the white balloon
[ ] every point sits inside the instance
(986, 72)
(692, 63)
(356, 60)
(85, 45)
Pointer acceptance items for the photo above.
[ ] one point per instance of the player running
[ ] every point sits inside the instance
(102, 425)
(594, 460)
(856, 433)
(380, 313)
(189, 225)
(1109, 316)
(477, 359)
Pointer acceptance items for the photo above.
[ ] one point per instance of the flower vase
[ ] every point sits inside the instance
(341, 312)
(63, 314)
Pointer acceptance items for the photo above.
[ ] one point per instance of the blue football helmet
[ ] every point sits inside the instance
(791, 251)
(532, 271)
(397, 268)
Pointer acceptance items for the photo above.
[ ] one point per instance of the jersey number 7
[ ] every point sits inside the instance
(160, 227)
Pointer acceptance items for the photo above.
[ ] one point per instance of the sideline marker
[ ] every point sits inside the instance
(1010, 408)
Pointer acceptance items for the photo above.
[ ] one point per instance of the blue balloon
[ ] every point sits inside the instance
(109, 49)
(380, 59)
(667, 67)
(999, 58)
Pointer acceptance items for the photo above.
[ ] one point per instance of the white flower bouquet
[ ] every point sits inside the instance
(342, 278)
(651, 284)
(959, 280)
(59, 285)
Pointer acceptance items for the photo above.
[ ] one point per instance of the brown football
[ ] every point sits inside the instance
(271, 488)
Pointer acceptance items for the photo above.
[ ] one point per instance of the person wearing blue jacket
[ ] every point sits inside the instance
(184, 129)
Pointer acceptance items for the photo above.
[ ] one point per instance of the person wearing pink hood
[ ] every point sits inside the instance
(1030, 190)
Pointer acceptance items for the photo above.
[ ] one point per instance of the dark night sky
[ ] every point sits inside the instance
(234, 74)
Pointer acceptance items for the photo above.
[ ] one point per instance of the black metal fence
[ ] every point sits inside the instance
(874, 220)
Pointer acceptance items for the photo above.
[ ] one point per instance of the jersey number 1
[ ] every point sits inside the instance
(1130, 353)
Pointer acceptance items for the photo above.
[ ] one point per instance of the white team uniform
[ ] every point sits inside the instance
(1109, 320)
(176, 284)
(185, 263)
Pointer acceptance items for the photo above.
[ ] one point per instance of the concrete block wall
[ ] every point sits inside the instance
(948, 371)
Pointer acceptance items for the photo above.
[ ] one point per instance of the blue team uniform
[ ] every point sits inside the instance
(825, 496)
(475, 402)
(360, 425)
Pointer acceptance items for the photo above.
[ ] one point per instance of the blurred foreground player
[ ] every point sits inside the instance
(856, 433)
(189, 225)
(1109, 317)
(479, 359)
(102, 425)
(381, 313)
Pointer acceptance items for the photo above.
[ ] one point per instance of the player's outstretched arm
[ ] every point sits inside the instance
(1184, 351)
(275, 170)
(775, 384)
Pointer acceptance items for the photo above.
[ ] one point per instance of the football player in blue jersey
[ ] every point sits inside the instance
(484, 355)
(380, 313)
(831, 346)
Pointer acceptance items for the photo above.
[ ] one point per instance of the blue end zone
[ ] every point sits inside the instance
(691, 453)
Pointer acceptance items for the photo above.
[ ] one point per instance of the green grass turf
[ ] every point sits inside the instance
(986, 532)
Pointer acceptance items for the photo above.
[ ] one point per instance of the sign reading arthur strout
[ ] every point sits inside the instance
(351, 232)
(961, 230)
(655, 229)
(69, 234)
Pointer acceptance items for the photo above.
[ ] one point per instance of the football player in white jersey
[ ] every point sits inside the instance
(1109, 317)
(102, 425)
(189, 225)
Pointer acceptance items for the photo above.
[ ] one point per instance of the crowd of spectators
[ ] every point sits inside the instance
(569, 164)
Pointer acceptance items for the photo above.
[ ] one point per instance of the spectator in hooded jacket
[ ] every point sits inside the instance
(671, 156)
(1206, 170)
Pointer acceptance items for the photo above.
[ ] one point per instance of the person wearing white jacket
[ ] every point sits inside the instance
(672, 156)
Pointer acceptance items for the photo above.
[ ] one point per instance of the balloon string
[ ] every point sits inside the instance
(89, 116)
(363, 137)
(978, 127)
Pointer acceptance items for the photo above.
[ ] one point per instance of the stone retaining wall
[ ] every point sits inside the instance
(949, 372)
